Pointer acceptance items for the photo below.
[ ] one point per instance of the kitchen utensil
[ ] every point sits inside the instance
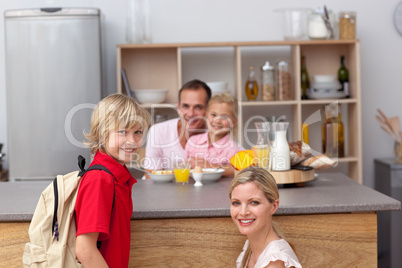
(328, 23)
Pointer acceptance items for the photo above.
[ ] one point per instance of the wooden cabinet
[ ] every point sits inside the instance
(171, 65)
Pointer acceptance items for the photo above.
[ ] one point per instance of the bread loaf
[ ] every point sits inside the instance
(299, 151)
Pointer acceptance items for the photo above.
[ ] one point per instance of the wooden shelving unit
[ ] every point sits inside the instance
(170, 65)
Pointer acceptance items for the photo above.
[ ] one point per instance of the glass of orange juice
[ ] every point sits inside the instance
(181, 169)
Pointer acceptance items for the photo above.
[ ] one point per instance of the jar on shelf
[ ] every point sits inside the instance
(267, 82)
(283, 81)
(317, 28)
(347, 25)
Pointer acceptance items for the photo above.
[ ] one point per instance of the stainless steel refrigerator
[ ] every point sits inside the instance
(53, 81)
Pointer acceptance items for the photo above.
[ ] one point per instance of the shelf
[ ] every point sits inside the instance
(171, 65)
(267, 103)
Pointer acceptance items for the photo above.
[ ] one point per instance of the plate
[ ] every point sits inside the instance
(325, 95)
(327, 86)
(161, 177)
(210, 174)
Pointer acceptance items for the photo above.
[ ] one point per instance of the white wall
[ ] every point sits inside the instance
(253, 20)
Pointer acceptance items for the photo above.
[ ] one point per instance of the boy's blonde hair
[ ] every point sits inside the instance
(116, 111)
(225, 98)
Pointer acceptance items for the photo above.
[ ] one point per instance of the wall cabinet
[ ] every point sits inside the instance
(170, 65)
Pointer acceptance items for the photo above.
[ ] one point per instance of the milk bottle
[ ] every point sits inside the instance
(280, 153)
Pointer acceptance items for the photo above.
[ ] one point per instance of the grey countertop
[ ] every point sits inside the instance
(328, 193)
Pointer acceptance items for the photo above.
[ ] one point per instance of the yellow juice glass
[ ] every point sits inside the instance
(182, 175)
(181, 171)
(261, 155)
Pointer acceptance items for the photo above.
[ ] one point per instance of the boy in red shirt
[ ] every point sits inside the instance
(104, 206)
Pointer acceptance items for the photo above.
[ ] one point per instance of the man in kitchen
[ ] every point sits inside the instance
(167, 140)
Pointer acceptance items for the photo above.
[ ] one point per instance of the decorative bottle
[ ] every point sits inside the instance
(343, 77)
(333, 132)
(305, 81)
(251, 87)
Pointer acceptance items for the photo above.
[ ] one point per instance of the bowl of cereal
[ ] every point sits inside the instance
(209, 174)
(161, 175)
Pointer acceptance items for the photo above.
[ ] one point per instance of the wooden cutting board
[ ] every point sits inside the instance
(293, 176)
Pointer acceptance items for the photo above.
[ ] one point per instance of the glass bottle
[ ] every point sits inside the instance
(305, 133)
(267, 82)
(343, 77)
(261, 149)
(333, 132)
(305, 81)
(251, 87)
(280, 152)
(283, 80)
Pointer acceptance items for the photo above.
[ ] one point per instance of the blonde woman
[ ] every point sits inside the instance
(254, 199)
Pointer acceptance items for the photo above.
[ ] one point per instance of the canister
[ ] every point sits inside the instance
(316, 25)
(347, 25)
(267, 82)
(283, 81)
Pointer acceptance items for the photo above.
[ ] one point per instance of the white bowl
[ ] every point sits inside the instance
(218, 87)
(150, 95)
(322, 78)
(161, 177)
(210, 174)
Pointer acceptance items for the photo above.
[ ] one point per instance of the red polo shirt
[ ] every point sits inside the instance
(94, 213)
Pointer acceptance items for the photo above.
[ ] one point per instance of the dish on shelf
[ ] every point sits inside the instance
(324, 78)
(218, 87)
(210, 174)
(150, 95)
(319, 95)
(327, 86)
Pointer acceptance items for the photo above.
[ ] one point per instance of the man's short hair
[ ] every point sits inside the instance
(195, 85)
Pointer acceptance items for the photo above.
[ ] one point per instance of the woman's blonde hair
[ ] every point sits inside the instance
(264, 181)
(225, 98)
(116, 111)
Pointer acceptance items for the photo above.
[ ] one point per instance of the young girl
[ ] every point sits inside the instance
(104, 206)
(215, 147)
(254, 199)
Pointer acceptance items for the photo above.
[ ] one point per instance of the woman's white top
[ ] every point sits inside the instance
(276, 250)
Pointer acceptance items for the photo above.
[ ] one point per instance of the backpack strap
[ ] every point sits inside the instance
(81, 165)
(98, 167)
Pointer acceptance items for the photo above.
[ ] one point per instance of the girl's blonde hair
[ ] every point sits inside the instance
(116, 111)
(264, 181)
(225, 98)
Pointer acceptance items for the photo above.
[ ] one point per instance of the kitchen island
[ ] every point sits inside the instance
(331, 222)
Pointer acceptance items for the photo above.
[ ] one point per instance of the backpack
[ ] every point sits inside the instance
(52, 231)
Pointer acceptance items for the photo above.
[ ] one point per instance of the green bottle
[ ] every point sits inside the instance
(343, 77)
(305, 81)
